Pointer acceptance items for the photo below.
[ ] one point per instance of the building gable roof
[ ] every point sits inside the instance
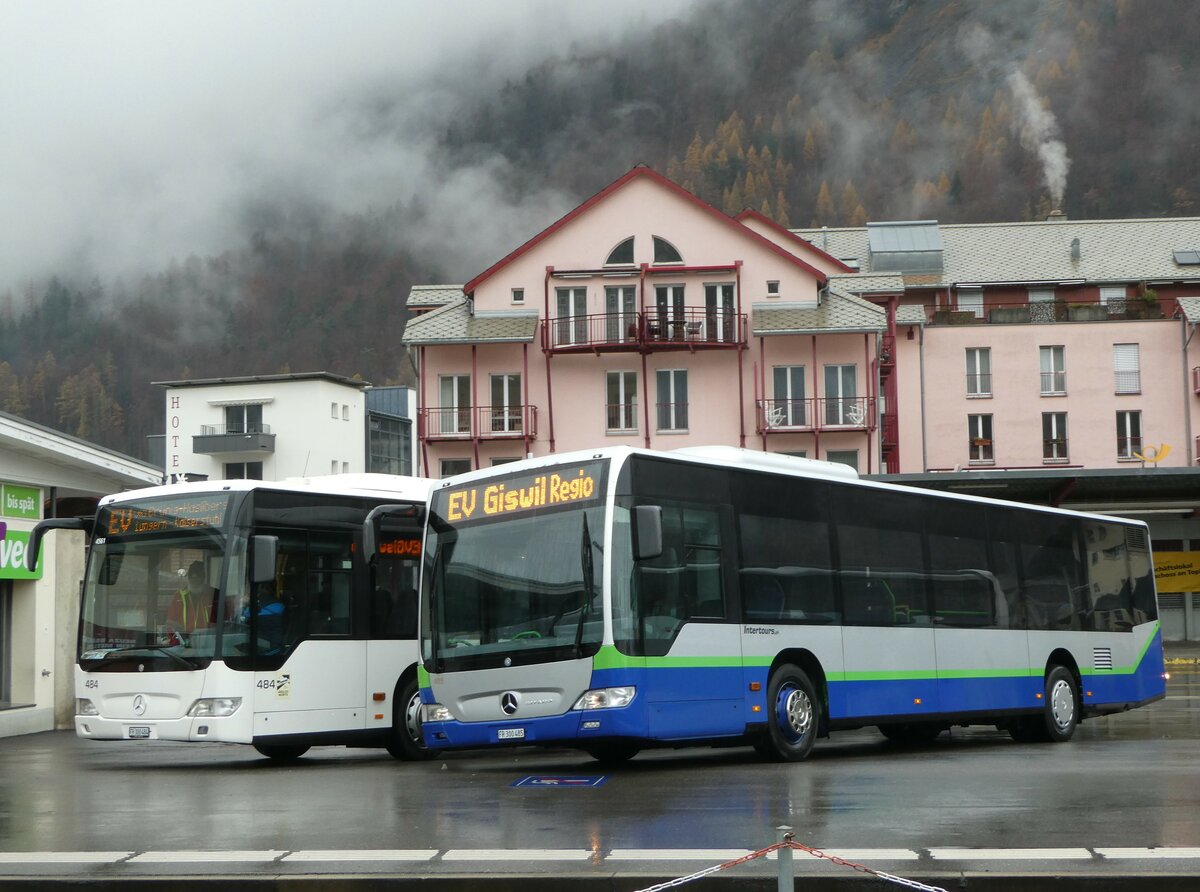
(640, 172)
(783, 231)
(456, 324)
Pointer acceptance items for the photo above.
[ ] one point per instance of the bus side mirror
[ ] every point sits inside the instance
(385, 522)
(33, 549)
(264, 549)
(647, 532)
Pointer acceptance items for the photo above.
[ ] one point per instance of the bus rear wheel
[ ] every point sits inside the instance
(1061, 711)
(793, 715)
(281, 752)
(405, 741)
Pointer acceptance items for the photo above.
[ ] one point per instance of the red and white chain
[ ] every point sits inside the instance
(789, 843)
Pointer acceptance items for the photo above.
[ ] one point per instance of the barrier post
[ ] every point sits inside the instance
(787, 878)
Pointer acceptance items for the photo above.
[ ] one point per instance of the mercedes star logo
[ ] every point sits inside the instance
(139, 705)
(508, 702)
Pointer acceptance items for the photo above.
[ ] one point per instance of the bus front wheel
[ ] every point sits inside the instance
(281, 752)
(794, 712)
(405, 742)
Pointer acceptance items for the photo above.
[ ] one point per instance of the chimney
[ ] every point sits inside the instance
(1075, 249)
(1056, 216)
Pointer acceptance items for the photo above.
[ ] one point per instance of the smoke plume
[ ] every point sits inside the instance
(1040, 134)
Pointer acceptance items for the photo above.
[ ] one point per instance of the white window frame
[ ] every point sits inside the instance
(442, 463)
(454, 417)
(518, 296)
(1052, 361)
(625, 409)
(571, 327)
(970, 300)
(675, 424)
(979, 372)
(1127, 421)
(773, 288)
(1127, 369)
(506, 415)
(1054, 424)
(788, 408)
(980, 427)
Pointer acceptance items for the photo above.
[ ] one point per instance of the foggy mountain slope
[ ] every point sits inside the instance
(828, 112)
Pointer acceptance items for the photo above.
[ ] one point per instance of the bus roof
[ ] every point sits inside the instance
(409, 489)
(752, 459)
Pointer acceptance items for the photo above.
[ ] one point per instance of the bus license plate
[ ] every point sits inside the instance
(138, 732)
(510, 734)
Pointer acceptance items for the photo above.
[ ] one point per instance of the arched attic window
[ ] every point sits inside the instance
(622, 254)
(665, 252)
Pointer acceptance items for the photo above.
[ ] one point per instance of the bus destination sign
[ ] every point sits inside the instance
(165, 516)
(401, 546)
(563, 486)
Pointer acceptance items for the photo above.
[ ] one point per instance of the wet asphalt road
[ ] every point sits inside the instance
(1128, 782)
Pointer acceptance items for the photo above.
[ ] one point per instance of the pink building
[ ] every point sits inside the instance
(1053, 362)
(647, 317)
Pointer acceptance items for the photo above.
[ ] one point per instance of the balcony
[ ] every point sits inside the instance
(1042, 312)
(687, 329)
(781, 416)
(478, 423)
(215, 439)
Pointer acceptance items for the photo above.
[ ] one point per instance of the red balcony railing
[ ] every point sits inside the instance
(829, 413)
(693, 328)
(478, 422)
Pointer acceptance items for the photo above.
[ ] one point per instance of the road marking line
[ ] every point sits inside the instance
(717, 855)
(517, 855)
(201, 857)
(951, 854)
(858, 854)
(1181, 852)
(62, 857)
(363, 855)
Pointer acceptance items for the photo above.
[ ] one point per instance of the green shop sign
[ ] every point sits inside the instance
(12, 556)
(24, 502)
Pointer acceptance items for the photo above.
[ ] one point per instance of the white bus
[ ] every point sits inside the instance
(244, 612)
(621, 599)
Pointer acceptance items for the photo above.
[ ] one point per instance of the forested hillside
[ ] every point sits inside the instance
(819, 113)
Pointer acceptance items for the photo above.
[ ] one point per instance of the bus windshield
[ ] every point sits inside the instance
(517, 584)
(153, 588)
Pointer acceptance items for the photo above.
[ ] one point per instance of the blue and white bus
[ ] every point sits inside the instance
(623, 598)
(244, 611)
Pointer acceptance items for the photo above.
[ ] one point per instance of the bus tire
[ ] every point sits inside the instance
(613, 752)
(1061, 710)
(794, 715)
(282, 752)
(405, 741)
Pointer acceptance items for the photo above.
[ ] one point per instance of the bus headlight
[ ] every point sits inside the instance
(435, 712)
(606, 698)
(83, 706)
(215, 707)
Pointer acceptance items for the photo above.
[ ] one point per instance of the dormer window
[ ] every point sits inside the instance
(665, 252)
(622, 254)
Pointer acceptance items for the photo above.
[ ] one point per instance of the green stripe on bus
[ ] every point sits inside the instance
(610, 658)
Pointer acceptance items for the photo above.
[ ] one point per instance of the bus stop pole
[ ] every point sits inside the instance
(787, 879)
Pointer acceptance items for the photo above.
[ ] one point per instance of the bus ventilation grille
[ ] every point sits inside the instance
(1102, 658)
(1135, 539)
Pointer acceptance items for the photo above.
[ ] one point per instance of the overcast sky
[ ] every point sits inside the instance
(135, 132)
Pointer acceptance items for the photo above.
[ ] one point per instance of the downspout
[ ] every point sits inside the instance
(761, 414)
(642, 338)
(422, 433)
(1187, 333)
(816, 401)
(645, 400)
(546, 350)
(527, 409)
(742, 337)
(474, 406)
(924, 418)
(893, 385)
(874, 386)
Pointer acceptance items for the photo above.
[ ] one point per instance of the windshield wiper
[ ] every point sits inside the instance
(153, 648)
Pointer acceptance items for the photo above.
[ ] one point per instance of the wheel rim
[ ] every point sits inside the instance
(412, 720)
(1062, 705)
(793, 712)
